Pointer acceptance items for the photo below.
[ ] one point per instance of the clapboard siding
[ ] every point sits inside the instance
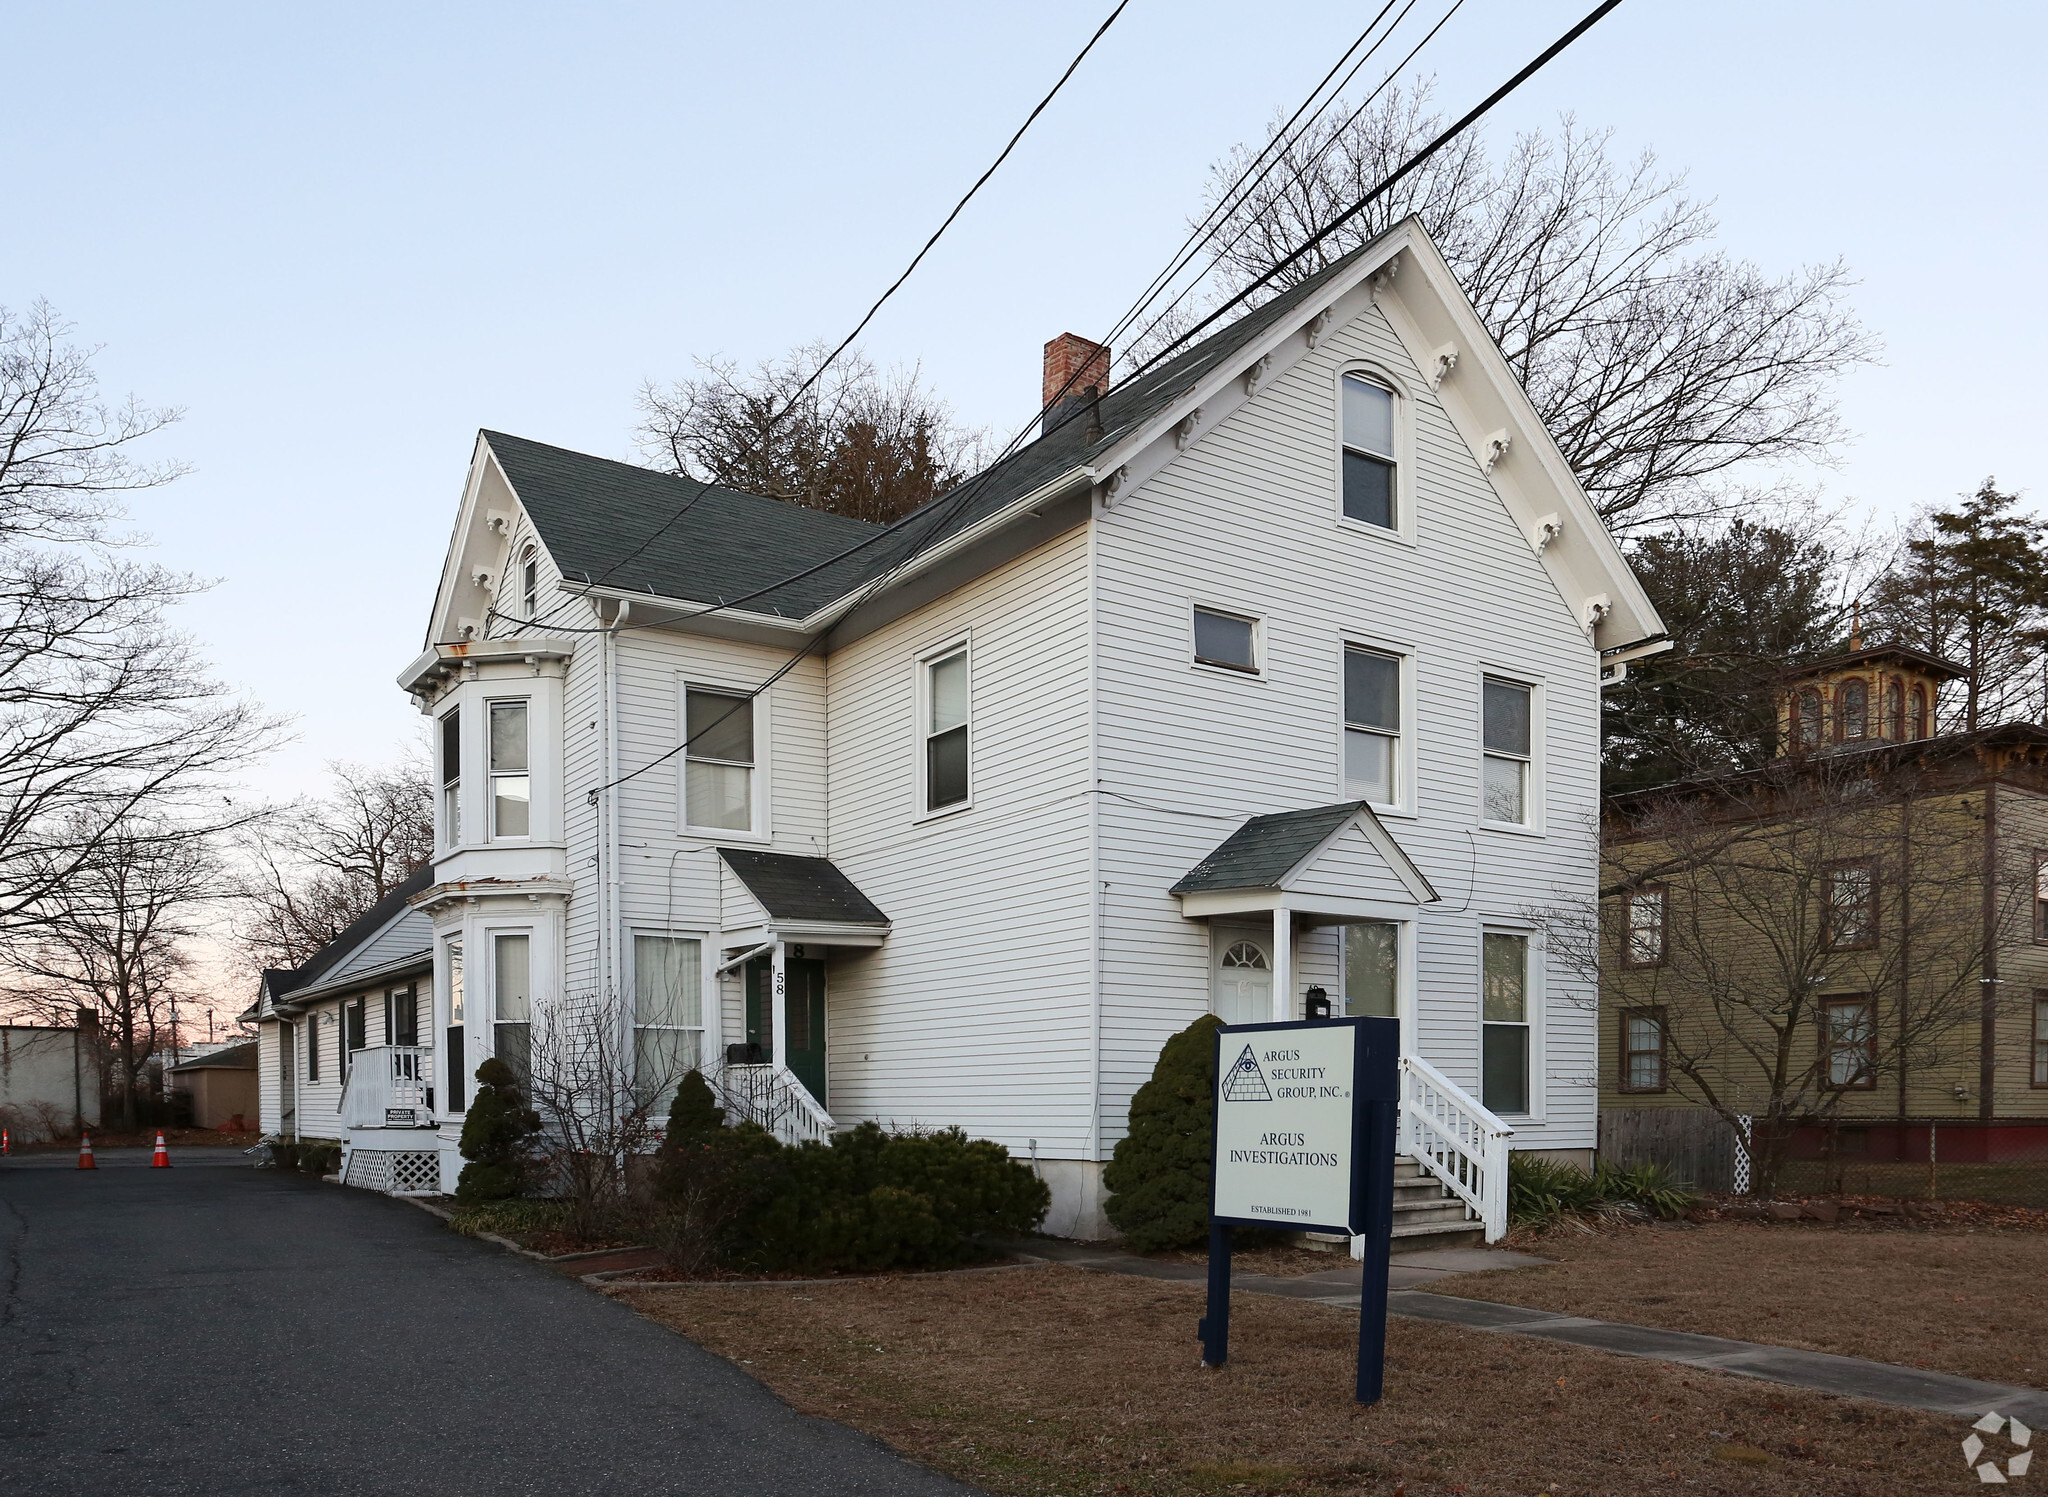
(1246, 519)
(410, 934)
(977, 1009)
(583, 768)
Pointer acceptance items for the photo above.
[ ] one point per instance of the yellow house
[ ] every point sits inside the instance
(1845, 951)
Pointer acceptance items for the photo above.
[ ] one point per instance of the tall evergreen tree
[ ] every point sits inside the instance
(1972, 585)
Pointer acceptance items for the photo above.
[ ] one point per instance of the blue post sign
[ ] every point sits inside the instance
(1304, 1141)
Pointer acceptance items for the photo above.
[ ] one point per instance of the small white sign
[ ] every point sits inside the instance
(1284, 1125)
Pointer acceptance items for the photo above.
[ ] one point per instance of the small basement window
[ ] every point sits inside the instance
(1226, 640)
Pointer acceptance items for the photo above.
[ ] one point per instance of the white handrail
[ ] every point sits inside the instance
(1452, 1135)
(771, 1097)
(386, 1087)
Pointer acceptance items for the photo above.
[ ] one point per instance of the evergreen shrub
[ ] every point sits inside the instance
(497, 1137)
(1159, 1177)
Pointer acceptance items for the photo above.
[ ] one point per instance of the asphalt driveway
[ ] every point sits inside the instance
(219, 1329)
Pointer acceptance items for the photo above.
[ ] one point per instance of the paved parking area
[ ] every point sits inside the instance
(219, 1329)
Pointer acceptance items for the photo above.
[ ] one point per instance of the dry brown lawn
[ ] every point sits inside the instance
(1051, 1381)
(1963, 1302)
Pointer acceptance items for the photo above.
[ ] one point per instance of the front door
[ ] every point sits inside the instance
(1242, 979)
(803, 1008)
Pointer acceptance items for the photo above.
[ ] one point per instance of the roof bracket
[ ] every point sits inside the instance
(1547, 529)
(1384, 276)
(1318, 325)
(1256, 375)
(1495, 448)
(1442, 363)
(1113, 485)
(1184, 434)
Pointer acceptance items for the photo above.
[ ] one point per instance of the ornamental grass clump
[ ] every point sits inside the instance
(1159, 1179)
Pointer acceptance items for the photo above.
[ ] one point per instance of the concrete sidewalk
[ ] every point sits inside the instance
(1850, 1377)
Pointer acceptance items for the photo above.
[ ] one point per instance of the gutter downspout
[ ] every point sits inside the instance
(1987, 1009)
(608, 839)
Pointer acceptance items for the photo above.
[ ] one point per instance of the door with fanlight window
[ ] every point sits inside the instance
(1241, 980)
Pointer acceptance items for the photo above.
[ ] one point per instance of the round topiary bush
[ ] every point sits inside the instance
(1159, 1178)
(497, 1137)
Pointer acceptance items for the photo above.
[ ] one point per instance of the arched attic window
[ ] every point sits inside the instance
(1894, 710)
(1919, 711)
(1852, 711)
(529, 584)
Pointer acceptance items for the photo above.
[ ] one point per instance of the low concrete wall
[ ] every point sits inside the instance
(1077, 1196)
(48, 1073)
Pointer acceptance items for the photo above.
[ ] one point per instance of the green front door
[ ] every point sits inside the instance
(803, 1004)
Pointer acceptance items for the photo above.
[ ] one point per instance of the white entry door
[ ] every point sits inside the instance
(1242, 980)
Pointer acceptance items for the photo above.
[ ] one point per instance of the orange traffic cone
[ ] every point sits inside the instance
(85, 1152)
(6, 1144)
(161, 1159)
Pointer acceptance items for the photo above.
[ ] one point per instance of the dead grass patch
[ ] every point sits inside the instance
(1962, 1302)
(1060, 1381)
(1284, 1261)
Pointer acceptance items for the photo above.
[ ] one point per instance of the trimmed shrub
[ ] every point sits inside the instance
(1159, 1178)
(873, 1200)
(1542, 1192)
(497, 1137)
(695, 1123)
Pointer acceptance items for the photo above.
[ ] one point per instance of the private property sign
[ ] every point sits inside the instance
(1286, 1130)
(1304, 1127)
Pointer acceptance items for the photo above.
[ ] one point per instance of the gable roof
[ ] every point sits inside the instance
(798, 888)
(280, 983)
(647, 532)
(231, 1058)
(1266, 850)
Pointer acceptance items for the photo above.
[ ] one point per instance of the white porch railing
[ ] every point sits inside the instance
(771, 1097)
(386, 1087)
(1446, 1130)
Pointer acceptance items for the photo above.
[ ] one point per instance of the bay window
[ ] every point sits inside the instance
(512, 1001)
(451, 775)
(511, 782)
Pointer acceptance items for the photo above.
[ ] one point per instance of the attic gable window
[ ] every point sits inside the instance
(1369, 465)
(1226, 640)
(529, 588)
(719, 761)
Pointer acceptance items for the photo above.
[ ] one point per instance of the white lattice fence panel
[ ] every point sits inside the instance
(407, 1174)
(368, 1168)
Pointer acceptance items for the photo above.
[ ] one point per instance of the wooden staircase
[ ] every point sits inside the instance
(1426, 1215)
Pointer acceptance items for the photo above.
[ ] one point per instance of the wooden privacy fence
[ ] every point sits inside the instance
(1692, 1143)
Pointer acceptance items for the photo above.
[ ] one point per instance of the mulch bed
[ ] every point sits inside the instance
(1058, 1381)
(1851, 1210)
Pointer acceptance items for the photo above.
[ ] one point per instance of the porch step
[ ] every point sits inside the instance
(1428, 1216)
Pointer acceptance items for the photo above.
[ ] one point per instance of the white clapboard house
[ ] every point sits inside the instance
(1268, 678)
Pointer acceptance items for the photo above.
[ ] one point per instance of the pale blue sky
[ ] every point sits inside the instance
(346, 238)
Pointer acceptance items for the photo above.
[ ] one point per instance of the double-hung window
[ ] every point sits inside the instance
(1643, 941)
(1372, 725)
(456, 1060)
(668, 1015)
(402, 1016)
(2040, 1038)
(1372, 970)
(451, 775)
(511, 781)
(1642, 1050)
(718, 769)
(1370, 491)
(1850, 1039)
(355, 1016)
(1504, 1061)
(946, 731)
(529, 588)
(1849, 906)
(313, 1045)
(1505, 751)
(512, 1000)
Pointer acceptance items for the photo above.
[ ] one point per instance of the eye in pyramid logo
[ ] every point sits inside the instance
(1246, 1082)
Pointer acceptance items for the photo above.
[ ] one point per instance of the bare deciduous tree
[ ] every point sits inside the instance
(117, 937)
(1789, 898)
(857, 442)
(315, 866)
(106, 713)
(1663, 367)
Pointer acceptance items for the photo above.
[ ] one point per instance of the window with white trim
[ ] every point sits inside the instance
(1505, 751)
(1370, 469)
(1504, 1014)
(947, 709)
(455, 1056)
(451, 775)
(1372, 970)
(1372, 725)
(668, 1015)
(512, 1000)
(718, 768)
(529, 586)
(511, 777)
(1227, 640)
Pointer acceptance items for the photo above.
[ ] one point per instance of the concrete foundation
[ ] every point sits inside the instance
(1077, 1197)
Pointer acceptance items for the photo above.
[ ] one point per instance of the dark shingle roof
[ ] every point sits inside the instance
(360, 930)
(1266, 849)
(794, 888)
(233, 1058)
(593, 512)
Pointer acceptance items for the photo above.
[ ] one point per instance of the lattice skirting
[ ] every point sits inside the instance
(394, 1173)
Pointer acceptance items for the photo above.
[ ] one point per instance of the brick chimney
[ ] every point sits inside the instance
(1072, 365)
